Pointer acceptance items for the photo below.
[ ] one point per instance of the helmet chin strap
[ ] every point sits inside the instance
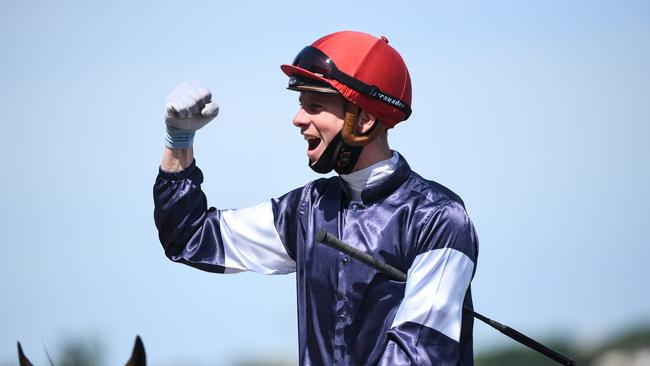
(338, 156)
(342, 153)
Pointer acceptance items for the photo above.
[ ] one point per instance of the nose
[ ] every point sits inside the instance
(301, 118)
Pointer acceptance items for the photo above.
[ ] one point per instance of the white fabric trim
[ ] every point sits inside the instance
(435, 289)
(358, 181)
(252, 243)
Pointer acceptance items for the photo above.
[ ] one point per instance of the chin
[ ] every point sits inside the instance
(314, 156)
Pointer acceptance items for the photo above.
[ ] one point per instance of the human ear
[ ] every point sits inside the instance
(359, 127)
(365, 122)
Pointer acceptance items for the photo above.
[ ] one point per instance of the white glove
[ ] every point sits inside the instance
(188, 108)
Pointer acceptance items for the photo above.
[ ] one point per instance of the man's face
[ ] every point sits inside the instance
(319, 118)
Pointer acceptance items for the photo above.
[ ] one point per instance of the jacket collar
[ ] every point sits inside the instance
(386, 186)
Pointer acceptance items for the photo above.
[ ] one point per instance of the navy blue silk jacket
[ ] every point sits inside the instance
(348, 313)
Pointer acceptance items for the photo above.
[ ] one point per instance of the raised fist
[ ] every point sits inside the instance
(190, 107)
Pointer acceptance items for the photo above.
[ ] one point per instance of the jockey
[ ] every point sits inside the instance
(353, 88)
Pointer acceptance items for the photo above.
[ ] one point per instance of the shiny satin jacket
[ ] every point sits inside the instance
(348, 313)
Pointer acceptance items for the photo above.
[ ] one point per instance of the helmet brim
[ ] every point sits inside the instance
(321, 84)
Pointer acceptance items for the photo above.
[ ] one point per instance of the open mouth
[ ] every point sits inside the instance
(312, 143)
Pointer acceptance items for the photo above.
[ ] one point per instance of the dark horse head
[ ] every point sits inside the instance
(138, 356)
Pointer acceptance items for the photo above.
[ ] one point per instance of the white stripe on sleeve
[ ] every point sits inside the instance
(435, 290)
(252, 243)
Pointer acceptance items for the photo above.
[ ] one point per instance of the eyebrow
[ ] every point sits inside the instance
(317, 97)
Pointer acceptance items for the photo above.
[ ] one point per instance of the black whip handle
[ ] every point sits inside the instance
(322, 236)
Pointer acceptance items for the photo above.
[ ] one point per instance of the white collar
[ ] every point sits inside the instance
(359, 180)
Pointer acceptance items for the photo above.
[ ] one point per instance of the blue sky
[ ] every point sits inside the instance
(537, 114)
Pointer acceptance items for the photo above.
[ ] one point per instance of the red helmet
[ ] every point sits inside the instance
(364, 69)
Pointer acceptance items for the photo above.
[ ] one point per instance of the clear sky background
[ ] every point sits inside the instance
(537, 114)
